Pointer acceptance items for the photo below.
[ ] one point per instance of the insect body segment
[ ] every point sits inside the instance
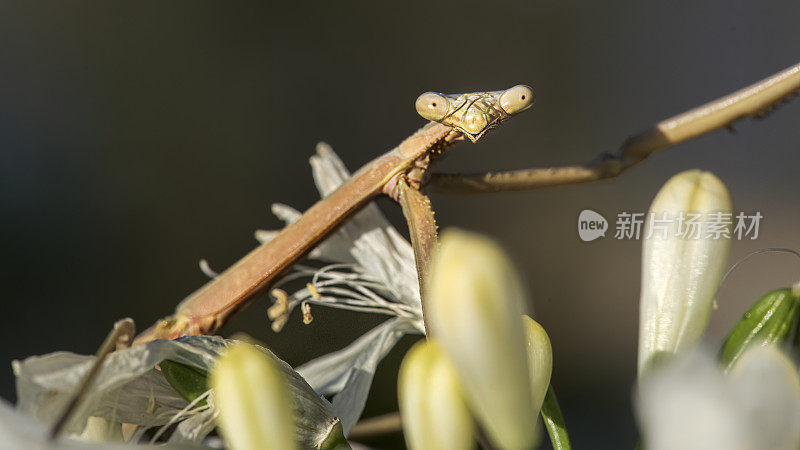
(475, 113)
(402, 171)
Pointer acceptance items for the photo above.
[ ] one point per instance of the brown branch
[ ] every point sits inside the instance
(119, 337)
(376, 426)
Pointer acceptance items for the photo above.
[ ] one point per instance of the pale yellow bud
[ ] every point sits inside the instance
(99, 429)
(681, 272)
(474, 303)
(255, 408)
(540, 360)
(431, 403)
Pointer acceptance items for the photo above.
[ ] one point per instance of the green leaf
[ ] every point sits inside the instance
(554, 421)
(335, 439)
(190, 382)
(768, 321)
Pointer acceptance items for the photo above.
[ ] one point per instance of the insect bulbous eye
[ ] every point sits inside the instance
(432, 106)
(517, 99)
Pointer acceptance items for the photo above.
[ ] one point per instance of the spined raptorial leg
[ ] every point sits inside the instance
(753, 101)
(422, 229)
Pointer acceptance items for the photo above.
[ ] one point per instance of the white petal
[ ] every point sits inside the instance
(285, 213)
(348, 372)
(21, 432)
(329, 171)
(767, 388)
(129, 388)
(688, 403)
(195, 428)
(375, 244)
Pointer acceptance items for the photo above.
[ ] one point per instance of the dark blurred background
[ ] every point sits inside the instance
(137, 138)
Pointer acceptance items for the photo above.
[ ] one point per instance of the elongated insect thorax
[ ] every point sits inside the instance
(205, 309)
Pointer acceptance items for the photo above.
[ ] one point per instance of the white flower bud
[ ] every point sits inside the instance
(255, 408)
(681, 269)
(431, 402)
(540, 360)
(475, 300)
(99, 429)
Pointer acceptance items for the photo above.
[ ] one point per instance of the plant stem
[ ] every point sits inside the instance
(554, 421)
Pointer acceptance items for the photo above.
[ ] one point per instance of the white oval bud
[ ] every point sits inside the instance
(431, 403)
(255, 408)
(474, 303)
(540, 360)
(681, 269)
